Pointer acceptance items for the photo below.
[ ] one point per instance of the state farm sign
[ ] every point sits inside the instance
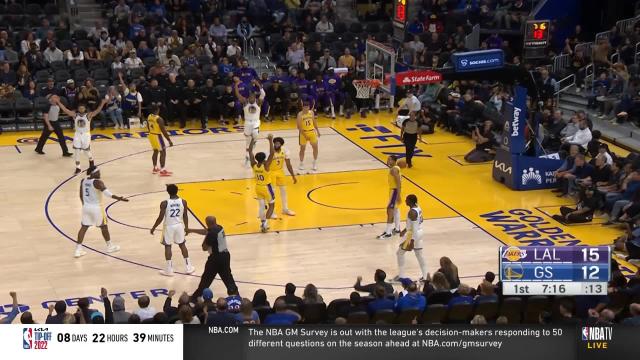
(418, 77)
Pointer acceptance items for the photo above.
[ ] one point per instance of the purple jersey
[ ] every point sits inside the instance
(318, 89)
(282, 79)
(332, 83)
(246, 74)
(303, 86)
(244, 89)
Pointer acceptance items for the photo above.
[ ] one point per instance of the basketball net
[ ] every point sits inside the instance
(364, 87)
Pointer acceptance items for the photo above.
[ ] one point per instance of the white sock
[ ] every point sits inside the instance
(422, 262)
(108, 244)
(396, 218)
(333, 112)
(261, 210)
(187, 261)
(283, 197)
(169, 265)
(78, 247)
(389, 228)
(401, 261)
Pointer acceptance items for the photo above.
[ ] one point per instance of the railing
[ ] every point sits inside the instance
(472, 40)
(251, 51)
(627, 24)
(586, 48)
(589, 74)
(602, 36)
(560, 62)
(564, 84)
(72, 10)
(615, 57)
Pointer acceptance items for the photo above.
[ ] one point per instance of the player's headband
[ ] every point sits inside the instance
(95, 170)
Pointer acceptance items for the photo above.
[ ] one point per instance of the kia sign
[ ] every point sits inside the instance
(478, 60)
(418, 77)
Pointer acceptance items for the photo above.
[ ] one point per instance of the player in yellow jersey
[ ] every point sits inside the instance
(309, 133)
(280, 159)
(157, 134)
(261, 164)
(393, 206)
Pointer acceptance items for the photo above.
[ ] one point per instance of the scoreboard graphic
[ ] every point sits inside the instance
(555, 270)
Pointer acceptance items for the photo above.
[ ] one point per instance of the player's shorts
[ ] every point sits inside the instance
(157, 142)
(310, 136)
(266, 193)
(173, 234)
(82, 141)
(278, 177)
(93, 216)
(394, 199)
(253, 132)
(411, 242)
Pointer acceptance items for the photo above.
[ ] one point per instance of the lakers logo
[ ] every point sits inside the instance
(513, 253)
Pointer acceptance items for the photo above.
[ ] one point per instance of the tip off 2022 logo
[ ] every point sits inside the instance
(36, 338)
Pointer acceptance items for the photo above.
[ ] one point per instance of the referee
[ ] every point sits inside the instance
(51, 124)
(219, 261)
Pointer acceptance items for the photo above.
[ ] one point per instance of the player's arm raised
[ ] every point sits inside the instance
(252, 158)
(241, 98)
(164, 131)
(99, 108)
(64, 108)
(262, 94)
(98, 184)
(163, 210)
(267, 163)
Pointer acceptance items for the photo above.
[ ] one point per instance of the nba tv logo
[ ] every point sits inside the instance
(597, 337)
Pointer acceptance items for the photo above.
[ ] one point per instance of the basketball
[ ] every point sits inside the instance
(402, 163)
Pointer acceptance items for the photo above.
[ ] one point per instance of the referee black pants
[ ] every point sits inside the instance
(410, 141)
(216, 264)
(45, 135)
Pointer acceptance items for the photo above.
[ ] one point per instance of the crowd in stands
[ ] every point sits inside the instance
(442, 298)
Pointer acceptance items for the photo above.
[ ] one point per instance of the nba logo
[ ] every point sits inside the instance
(585, 333)
(27, 337)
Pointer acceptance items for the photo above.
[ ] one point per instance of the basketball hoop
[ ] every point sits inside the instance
(364, 87)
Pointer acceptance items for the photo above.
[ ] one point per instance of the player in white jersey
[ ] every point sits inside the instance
(174, 213)
(251, 108)
(82, 124)
(412, 239)
(91, 190)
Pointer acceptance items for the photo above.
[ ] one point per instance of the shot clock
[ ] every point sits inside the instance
(536, 34)
(555, 270)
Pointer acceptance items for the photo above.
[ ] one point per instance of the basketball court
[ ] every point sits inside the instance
(331, 240)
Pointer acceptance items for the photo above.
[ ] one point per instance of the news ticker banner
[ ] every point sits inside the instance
(192, 342)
